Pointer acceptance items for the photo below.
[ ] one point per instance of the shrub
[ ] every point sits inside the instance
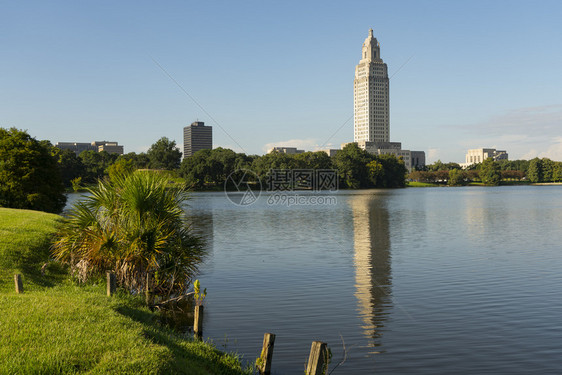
(29, 175)
(135, 226)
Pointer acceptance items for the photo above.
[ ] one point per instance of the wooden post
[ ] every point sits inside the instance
(111, 283)
(198, 322)
(266, 354)
(318, 359)
(19, 283)
(147, 290)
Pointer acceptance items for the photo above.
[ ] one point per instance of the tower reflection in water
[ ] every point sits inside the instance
(372, 264)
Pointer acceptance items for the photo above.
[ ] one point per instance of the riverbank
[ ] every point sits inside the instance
(416, 184)
(57, 326)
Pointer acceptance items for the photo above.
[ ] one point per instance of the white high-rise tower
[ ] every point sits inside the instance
(371, 96)
(371, 107)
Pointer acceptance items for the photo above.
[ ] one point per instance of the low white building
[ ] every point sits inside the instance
(98, 146)
(286, 150)
(478, 155)
(331, 151)
(412, 159)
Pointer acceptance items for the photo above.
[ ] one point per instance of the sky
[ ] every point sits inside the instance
(464, 74)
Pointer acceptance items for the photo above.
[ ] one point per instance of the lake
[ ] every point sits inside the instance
(413, 281)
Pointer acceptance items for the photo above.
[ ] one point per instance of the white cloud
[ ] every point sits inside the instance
(432, 155)
(530, 121)
(531, 154)
(524, 133)
(554, 151)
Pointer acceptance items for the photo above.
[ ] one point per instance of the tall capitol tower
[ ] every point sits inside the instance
(371, 107)
(371, 96)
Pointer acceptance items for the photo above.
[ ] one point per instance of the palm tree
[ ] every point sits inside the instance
(135, 226)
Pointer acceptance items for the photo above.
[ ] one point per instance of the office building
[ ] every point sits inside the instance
(287, 150)
(110, 147)
(97, 146)
(197, 137)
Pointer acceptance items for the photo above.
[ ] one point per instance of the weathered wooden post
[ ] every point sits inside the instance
(111, 283)
(264, 365)
(198, 322)
(18, 282)
(318, 359)
(147, 293)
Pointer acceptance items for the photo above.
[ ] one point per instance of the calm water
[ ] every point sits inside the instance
(420, 281)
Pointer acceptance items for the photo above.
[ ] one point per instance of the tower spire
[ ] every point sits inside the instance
(371, 47)
(371, 94)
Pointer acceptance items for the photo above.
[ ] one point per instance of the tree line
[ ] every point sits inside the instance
(89, 166)
(208, 169)
(356, 168)
(490, 172)
(35, 174)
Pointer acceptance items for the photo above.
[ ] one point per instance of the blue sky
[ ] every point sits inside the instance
(464, 74)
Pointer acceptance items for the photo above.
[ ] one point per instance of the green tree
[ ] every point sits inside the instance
(547, 170)
(121, 167)
(222, 162)
(194, 169)
(456, 177)
(70, 165)
(440, 166)
(76, 183)
(472, 174)
(273, 160)
(376, 172)
(557, 175)
(490, 172)
(351, 164)
(422, 176)
(512, 175)
(164, 155)
(140, 161)
(314, 160)
(212, 167)
(514, 165)
(133, 225)
(535, 172)
(96, 164)
(394, 171)
(29, 175)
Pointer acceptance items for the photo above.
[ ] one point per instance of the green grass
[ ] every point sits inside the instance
(420, 184)
(59, 327)
(25, 237)
(517, 183)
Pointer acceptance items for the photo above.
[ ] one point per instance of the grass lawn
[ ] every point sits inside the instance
(420, 184)
(59, 327)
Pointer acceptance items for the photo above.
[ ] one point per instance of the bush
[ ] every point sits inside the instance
(29, 175)
(133, 225)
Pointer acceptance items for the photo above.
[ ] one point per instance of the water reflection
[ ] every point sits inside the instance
(372, 263)
(201, 225)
